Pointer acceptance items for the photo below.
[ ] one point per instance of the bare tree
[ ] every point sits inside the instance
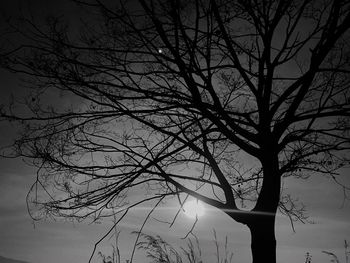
(219, 100)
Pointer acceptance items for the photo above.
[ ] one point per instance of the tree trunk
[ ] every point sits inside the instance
(263, 241)
(262, 220)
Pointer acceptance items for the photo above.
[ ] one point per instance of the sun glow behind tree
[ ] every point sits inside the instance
(194, 209)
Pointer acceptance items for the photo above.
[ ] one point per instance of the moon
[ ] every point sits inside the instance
(194, 208)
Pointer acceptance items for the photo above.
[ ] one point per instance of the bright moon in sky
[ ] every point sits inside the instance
(193, 208)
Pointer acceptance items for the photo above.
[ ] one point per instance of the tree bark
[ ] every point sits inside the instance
(263, 241)
(262, 220)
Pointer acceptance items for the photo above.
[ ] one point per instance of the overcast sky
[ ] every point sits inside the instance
(58, 241)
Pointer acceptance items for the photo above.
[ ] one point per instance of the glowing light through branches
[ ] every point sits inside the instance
(194, 208)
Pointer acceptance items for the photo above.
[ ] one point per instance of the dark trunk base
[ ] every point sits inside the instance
(263, 241)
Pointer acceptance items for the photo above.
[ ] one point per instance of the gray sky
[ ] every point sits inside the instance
(58, 241)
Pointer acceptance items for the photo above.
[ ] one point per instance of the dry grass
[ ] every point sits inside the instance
(157, 250)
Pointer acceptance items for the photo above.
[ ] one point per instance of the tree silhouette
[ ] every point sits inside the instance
(218, 100)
